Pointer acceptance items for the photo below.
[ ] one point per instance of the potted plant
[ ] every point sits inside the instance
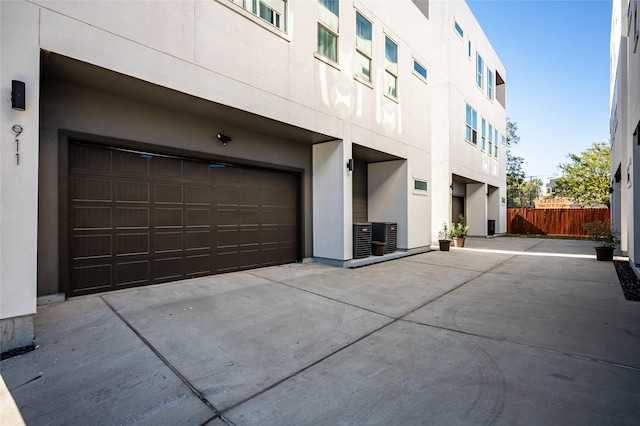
(606, 238)
(459, 231)
(444, 237)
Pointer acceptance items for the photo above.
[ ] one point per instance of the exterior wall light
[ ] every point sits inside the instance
(17, 95)
(350, 164)
(224, 139)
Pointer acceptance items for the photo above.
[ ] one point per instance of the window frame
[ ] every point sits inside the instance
(483, 135)
(390, 72)
(360, 52)
(418, 73)
(490, 84)
(479, 71)
(324, 26)
(471, 125)
(245, 8)
(490, 141)
(458, 29)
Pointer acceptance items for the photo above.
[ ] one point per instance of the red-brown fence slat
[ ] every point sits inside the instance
(553, 221)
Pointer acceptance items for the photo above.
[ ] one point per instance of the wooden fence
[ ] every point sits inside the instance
(552, 221)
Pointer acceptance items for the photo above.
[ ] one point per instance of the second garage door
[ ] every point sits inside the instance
(138, 218)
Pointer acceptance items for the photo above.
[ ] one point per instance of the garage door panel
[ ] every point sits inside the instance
(198, 218)
(168, 218)
(196, 170)
(86, 189)
(198, 195)
(139, 218)
(168, 194)
(198, 265)
(132, 192)
(132, 218)
(130, 163)
(132, 244)
(91, 218)
(169, 268)
(198, 240)
(86, 158)
(167, 242)
(165, 167)
(93, 277)
(91, 246)
(128, 273)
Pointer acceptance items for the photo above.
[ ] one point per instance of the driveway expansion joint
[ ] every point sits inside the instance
(166, 362)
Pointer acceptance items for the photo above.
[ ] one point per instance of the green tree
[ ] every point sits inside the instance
(515, 174)
(585, 178)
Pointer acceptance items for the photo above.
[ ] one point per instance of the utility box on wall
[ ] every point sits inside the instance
(386, 232)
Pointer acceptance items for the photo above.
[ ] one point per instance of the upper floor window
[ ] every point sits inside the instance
(391, 67)
(469, 48)
(419, 70)
(458, 29)
(328, 28)
(363, 47)
(490, 147)
(483, 140)
(479, 71)
(495, 147)
(472, 125)
(490, 84)
(272, 11)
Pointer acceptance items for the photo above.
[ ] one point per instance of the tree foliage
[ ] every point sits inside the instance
(515, 174)
(585, 178)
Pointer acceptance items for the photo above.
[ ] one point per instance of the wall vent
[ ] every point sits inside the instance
(361, 240)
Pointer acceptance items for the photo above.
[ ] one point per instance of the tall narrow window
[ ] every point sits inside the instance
(458, 29)
(490, 84)
(391, 68)
(363, 47)
(483, 142)
(469, 48)
(480, 71)
(495, 146)
(490, 148)
(328, 29)
(471, 125)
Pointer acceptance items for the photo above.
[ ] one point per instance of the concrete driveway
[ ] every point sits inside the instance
(506, 331)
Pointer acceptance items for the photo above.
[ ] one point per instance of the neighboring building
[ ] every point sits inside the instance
(167, 140)
(550, 188)
(625, 125)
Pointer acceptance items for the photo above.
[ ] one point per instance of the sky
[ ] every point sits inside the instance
(556, 54)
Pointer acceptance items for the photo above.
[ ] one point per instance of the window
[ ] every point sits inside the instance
(328, 29)
(636, 27)
(469, 48)
(490, 85)
(490, 149)
(495, 146)
(363, 47)
(483, 142)
(480, 71)
(391, 68)
(472, 125)
(419, 69)
(272, 11)
(420, 185)
(458, 29)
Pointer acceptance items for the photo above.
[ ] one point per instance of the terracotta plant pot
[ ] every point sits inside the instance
(604, 253)
(458, 242)
(444, 245)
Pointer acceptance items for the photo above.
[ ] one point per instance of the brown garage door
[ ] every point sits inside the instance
(137, 219)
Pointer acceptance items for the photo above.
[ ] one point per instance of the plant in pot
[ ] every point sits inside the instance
(459, 231)
(606, 237)
(444, 237)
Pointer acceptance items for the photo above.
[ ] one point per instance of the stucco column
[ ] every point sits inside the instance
(332, 201)
(20, 49)
(476, 209)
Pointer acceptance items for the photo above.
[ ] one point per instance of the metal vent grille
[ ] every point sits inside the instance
(361, 240)
(386, 232)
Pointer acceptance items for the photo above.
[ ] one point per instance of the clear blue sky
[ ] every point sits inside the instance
(557, 58)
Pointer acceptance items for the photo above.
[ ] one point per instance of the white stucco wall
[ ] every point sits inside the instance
(18, 182)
